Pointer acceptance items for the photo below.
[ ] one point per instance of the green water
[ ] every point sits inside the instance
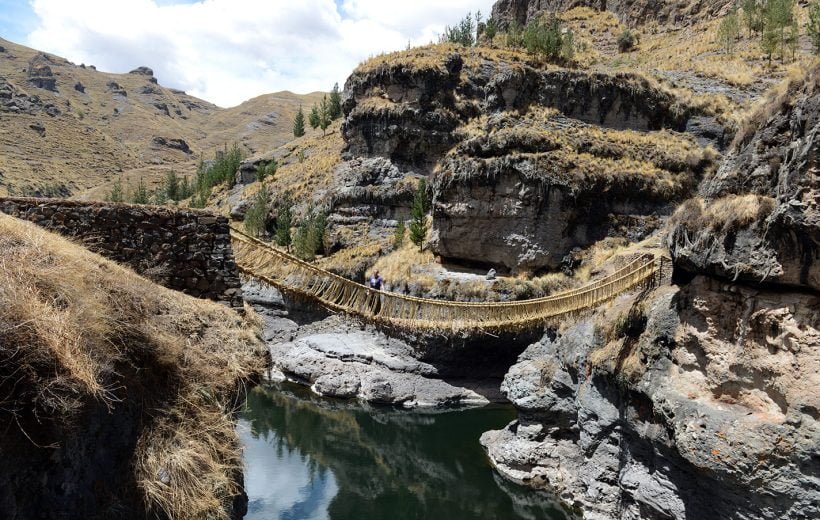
(312, 458)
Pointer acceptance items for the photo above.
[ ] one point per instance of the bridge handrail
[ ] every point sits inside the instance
(616, 275)
(347, 295)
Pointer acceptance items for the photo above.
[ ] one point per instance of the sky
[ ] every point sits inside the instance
(228, 51)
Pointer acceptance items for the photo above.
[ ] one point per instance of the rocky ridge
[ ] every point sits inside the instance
(70, 128)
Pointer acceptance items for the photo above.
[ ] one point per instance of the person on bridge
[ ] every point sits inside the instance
(376, 281)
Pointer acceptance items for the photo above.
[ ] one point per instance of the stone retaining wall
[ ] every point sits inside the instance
(182, 249)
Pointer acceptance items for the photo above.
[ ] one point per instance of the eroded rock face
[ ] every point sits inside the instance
(402, 114)
(758, 219)
(524, 192)
(630, 12)
(518, 201)
(710, 412)
(408, 115)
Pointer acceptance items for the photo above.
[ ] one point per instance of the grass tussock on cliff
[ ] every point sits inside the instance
(729, 213)
(77, 330)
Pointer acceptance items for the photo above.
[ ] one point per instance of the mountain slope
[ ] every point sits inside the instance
(67, 128)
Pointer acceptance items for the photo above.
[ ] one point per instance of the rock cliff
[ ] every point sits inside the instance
(758, 219)
(704, 407)
(517, 153)
(630, 12)
(697, 400)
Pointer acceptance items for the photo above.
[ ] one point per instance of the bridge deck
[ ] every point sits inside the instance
(280, 269)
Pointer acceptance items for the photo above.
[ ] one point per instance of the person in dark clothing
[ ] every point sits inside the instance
(376, 281)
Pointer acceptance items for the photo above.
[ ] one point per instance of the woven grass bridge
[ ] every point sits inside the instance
(290, 274)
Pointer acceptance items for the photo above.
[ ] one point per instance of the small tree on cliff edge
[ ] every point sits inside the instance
(813, 25)
(335, 109)
(418, 226)
(299, 123)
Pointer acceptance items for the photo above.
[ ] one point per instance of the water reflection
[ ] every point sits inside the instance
(312, 458)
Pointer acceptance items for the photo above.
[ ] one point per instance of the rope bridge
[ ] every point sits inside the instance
(287, 272)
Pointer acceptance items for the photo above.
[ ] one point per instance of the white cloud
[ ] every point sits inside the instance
(227, 51)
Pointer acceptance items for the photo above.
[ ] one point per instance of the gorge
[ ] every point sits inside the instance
(670, 187)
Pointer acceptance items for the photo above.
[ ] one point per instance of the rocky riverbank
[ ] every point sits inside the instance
(338, 357)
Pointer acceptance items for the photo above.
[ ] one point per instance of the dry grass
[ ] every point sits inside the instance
(800, 76)
(77, 330)
(407, 263)
(352, 262)
(661, 165)
(433, 57)
(729, 213)
(307, 164)
(598, 254)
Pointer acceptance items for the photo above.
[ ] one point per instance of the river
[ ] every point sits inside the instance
(310, 458)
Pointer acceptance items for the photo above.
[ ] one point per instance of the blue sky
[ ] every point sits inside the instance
(227, 51)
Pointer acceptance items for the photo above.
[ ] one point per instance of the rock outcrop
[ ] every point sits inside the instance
(522, 193)
(40, 74)
(704, 408)
(697, 400)
(758, 218)
(630, 12)
(503, 195)
(171, 143)
(338, 358)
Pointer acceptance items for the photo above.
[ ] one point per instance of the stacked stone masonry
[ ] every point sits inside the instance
(182, 249)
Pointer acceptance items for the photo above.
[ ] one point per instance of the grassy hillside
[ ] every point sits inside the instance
(67, 128)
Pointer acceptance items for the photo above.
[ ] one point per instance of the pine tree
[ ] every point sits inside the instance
(313, 118)
(116, 194)
(335, 109)
(418, 226)
(813, 25)
(728, 31)
(310, 235)
(172, 186)
(284, 221)
(768, 43)
(257, 214)
(752, 16)
(141, 195)
(324, 115)
(398, 236)
(299, 123)
(186, 189)
(263, 171)
(463, 32)
(778, 15)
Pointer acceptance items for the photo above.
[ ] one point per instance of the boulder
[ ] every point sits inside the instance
(171, 143)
